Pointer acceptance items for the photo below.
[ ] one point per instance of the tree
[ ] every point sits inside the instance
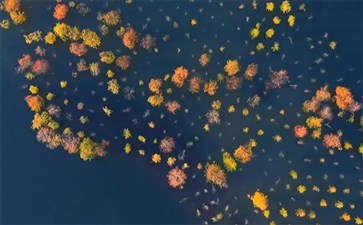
(155, 85)
(259, 200)
(123, 62)
(111, 18)
(179, 76)
(40, 66)
(130, 38)
(18, 17)
(50, 38)
(251, 71)
(147, 42)
(11, 5)
(107, 57)
(167, 145)
(229, 162)
(172, 106)
(113, 86)
(40, 120)
(232, 67)
(343, 97)
(216, 175)
(194, 84)
(156, 100)
(78, 49)
(176, 177)
(211, 87)
(314, 122)
(204, 59)
(35, 102)
(24, 63)
(300, 131)
(90, 38)
(60, 11)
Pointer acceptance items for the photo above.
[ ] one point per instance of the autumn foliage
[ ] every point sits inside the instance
(18, 17)
(172, 106)
(277, 79)
(232, 67)
(111, 18)
(260, 200)
(130, 38)
(24, 63)
(300, 131)
(147, 42)
(179, 76)
(216, 175)
(60, 11)
(155, 85)
(343, 97)
(40, 66)
(243, 154)
(251, 71)
(176, 177)
(332, 141)
(35, 102)
(11, 5)
(78, 49)
(167, 145)
(123, 62)
(194, 84)
(211, 87)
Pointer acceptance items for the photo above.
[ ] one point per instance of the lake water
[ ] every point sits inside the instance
(42, 186)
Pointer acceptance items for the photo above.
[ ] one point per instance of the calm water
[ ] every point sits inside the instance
(42, 186)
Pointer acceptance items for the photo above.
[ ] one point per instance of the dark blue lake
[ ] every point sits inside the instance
(43, 186)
